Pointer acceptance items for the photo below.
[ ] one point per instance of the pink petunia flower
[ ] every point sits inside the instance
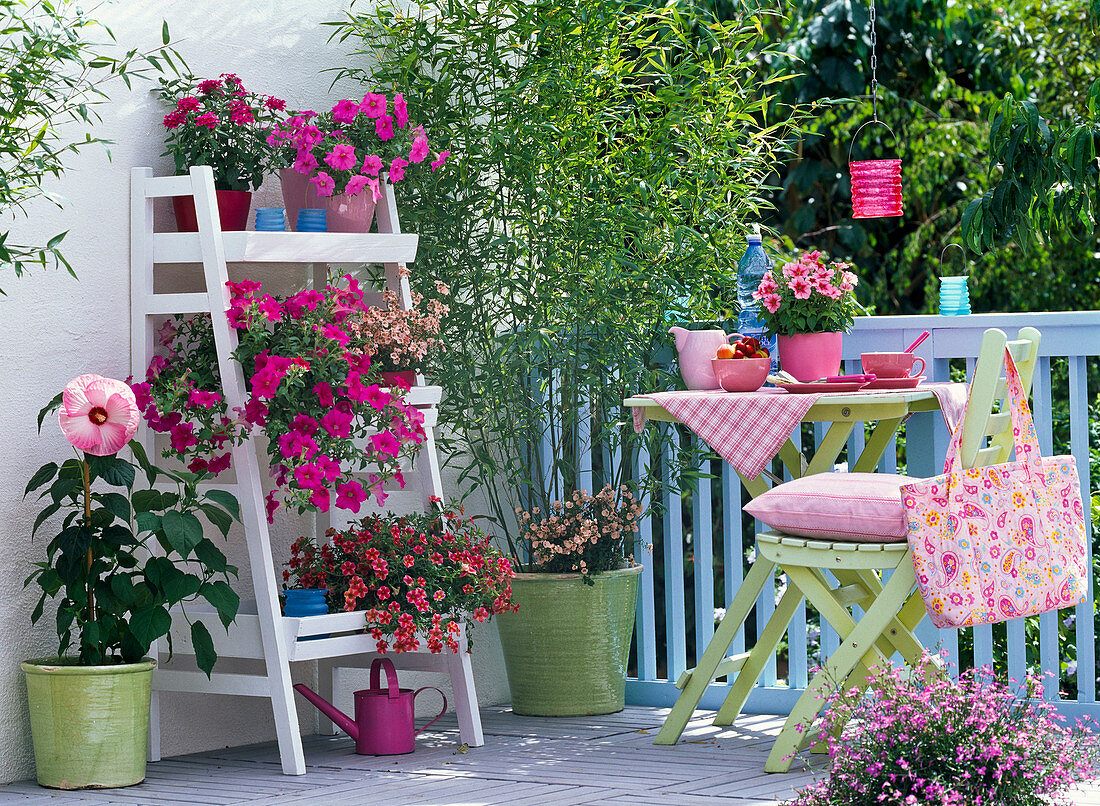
(309, 136)
(372, 164)
(335, 333)
(419, 150)
(800, 286)
(384, 128)
(375, 188)
(377, 398)
(320, 499)
(98, 415)
(183, 437)
(206, 400)
(324, 184)
(350, 496)
(400, 111)
(270, 506)
(324, 394)
(255, 412)
(207, 119)
(305, 162)
(345, 111)
(330, 468)
(341, 158)
(270, 308)
(397, 169)
(309, 476)
(442, 158)
(355, 185)
(386, 443)
(219, 463)
(795, 269)
(771, 302)
(374, 105)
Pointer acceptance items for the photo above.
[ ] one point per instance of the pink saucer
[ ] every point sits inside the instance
(896, 383)
(821, 388)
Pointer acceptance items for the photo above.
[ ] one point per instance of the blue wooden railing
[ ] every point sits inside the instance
(709, 531)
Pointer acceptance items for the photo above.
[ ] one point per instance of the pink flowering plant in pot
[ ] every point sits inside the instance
(335, 436)
(355, 146)
(922, 737)
(217, 122)
(415, 576)
(809, 295)
(398, 339)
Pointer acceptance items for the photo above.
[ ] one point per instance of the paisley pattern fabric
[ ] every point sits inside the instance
(994, 543)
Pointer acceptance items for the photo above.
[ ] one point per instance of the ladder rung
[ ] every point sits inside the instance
(161, 186)
(725, 667)
(177, 303)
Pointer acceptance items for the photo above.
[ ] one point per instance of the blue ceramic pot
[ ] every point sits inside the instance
(302, 602)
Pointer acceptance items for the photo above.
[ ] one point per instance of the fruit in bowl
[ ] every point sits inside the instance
(741, 367)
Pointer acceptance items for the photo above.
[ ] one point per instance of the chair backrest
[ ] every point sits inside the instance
(986, 388)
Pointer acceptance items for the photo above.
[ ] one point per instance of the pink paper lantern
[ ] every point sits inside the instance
(876, 188)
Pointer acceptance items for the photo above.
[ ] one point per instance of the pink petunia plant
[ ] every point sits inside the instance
(356, 145)
(335, 434)
(808, 295)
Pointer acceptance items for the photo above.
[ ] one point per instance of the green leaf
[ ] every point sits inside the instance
(146, 500)
(113, 470)
(43, 515)
(165, 37)
(50, 407)
(205, 656)
(115, 503)
(227, 501)
(41, 476)
(138, 450)
(122, 586)
(211, 556)
(221, 519)
(223, 598)
(62, 488)
(147, 522)
(182, 530)
(150, 623)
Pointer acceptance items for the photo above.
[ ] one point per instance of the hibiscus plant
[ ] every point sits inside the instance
(217, 122)
(124, 558)
(808, 295)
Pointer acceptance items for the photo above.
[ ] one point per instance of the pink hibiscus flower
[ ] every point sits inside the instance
(800, 286)
(324, 184)
(372, 164)
(397, 169)
(350, 496)
(98, 415)
(345, 111)
(400, 110)
(341, 158)
(384, 128)
(374, 105)
(442, 158)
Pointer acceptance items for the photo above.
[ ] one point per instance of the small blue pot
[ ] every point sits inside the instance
(302, 602)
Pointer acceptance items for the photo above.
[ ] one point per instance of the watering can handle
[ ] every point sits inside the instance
(441, 713)
(391, 676)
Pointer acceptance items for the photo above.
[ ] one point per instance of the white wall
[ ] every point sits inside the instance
(55, 327)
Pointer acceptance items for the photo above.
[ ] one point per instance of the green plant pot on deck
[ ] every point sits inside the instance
(566, 647)
(89, 724)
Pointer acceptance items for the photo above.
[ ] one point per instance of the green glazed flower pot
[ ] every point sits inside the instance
(89, 724)
(565, 649)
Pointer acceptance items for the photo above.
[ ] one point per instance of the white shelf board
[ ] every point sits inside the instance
(290, 247)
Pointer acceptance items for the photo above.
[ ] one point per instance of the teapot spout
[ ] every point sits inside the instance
(341, 719)
(680, 334)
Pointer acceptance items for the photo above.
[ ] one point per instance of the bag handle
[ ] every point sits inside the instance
(1023, 426)
(441, 713)
(376, 668)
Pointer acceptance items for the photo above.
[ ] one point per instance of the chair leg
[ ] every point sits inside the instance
(763, 650)
(702, 675)
(844, 660)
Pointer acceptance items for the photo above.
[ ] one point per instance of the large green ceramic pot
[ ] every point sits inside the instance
(565, 649)
(90, 724)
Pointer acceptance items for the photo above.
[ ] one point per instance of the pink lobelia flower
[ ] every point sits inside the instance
(355, 185)
(442, 158)
(397, 169)
(324, 184)
(384, 128)
(98, 415)
(305, 162)
(374, 105)
(345, 111)
(400, 110)
(372, 164)
(341, 158)
(419, 150)
(800, 286)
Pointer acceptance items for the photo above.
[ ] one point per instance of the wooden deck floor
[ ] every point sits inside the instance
(608, 760)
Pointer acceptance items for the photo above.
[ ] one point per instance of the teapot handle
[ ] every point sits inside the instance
(733, 336)
(441, 713)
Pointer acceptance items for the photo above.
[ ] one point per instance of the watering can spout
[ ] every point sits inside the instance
(342, 720)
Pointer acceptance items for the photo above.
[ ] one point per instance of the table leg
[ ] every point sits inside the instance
(827, 452)
(876, 445)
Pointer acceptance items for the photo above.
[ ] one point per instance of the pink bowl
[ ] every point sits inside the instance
(741, 374)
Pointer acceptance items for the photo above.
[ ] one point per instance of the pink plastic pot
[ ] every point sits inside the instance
(810, 356)
(384, 717)
(343, 213)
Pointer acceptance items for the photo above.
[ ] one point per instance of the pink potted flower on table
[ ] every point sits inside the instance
(338, 160)
(810, 304)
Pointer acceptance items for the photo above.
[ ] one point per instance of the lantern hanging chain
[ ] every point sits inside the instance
(874, 63)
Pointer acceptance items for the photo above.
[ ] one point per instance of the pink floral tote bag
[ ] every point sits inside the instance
(994, 543)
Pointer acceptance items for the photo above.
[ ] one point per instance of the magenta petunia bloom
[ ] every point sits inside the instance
(309, 476)
(206, 400)
(400, 111)
(375, 188)
(442, 158)
(374, 105)
(208, 119)
(324, 184)
(324, 394)
(350, 496)
(335, 333)
(219, 463)
(345, 111)
(309, 136)
(372, 164)
(384, 128)
(183, 437)
(800, 286)
(270, 308)
(98, 415)
(305, 162)
(377, 398)
(355, 185)
(338, 423)
(397, 169)
(419, 150)
(330, 468)
(320, 499)
(341, 158)
(386, 443)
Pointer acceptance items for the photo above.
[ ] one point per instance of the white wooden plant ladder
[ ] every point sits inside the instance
(260, 631)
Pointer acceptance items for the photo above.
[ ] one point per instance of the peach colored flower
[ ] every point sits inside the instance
(98, 415)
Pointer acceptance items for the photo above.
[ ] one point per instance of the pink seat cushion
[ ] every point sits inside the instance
(856, 507)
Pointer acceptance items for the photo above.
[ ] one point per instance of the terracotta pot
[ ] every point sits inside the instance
(809, 356)
(344, 213)
(233, 207)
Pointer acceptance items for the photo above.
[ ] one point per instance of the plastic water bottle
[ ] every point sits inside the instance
(753, 266)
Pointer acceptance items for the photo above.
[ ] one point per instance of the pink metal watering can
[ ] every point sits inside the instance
(383, 724)
(696, 349)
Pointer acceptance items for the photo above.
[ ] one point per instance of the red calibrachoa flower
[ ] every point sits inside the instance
(316, 396)
(456, 573)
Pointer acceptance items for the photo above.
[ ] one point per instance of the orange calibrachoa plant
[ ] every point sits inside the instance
(413, 575)
(586, 533)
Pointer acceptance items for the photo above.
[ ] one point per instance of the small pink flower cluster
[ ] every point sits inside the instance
(400, 338)
(804, 277)
(584, 534)
(340, 149)
(925, 738)
(448, 569)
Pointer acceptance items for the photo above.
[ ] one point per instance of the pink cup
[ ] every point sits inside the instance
(891, 365)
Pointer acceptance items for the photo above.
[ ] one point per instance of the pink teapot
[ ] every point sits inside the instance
(383, 724)
(696, 349)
